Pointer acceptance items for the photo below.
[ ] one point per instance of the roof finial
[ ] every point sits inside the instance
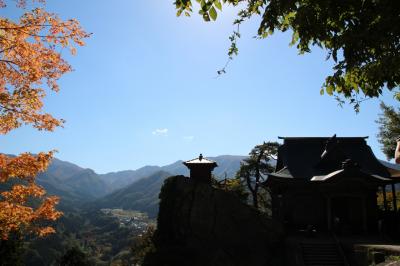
(201, 157)
(330, 144)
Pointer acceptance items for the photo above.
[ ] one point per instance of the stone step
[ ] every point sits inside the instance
(321, 254)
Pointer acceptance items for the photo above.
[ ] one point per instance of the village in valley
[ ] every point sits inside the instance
(131, 219)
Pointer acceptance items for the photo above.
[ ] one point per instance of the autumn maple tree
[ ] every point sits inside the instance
(30, 66)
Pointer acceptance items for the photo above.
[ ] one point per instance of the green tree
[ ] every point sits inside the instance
(362, 37)
(254, 168)
(389, 129)
(234, 186)
(75, 257)
(11, 250)
(143, 246)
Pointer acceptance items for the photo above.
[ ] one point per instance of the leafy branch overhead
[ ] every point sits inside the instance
(362, 37)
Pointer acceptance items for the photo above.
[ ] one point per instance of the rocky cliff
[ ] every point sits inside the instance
(201, 225)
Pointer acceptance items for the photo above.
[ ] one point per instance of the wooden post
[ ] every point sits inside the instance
(329, 213)
(394, 197)
(384, 198)
(364, 213)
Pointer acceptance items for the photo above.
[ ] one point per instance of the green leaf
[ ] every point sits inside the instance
(218, 4)
(295, 38)
(329, 89)
(203, 5)
(209, 5)
(397, 96)
(213, 13)
(322, 92)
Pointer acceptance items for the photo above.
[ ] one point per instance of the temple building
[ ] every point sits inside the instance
(329, 184)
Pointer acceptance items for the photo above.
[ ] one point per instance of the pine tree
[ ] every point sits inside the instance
(254, 168)
(389, 129)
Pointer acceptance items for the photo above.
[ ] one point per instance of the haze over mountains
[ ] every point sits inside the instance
(129, 189)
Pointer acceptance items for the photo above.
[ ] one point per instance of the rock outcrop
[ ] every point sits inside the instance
(201, 225)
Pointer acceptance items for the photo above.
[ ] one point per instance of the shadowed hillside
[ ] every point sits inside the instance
(72, 183)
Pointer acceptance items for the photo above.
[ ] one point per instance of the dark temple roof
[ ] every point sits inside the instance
(316, 157)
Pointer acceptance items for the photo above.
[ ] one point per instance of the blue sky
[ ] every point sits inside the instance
(144, 90)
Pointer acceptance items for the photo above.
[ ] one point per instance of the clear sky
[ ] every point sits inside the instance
(144, 90)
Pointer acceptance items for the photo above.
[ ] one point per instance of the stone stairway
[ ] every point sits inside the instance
(318, 253)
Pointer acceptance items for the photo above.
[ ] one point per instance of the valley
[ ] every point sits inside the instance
(105, 213)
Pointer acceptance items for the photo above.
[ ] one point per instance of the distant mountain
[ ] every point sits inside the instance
(76, 185)
(227, 164)
(63, 169)
(117, 180)
(141, 195)
(72, 183)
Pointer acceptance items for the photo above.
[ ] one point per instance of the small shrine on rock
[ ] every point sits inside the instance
(201, 168)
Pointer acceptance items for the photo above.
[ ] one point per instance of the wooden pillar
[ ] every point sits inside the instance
(384, 198)
(364, 213)
(394, 197)
(281, 208)
(329, 213)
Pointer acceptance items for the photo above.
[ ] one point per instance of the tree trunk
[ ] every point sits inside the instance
(397, 152)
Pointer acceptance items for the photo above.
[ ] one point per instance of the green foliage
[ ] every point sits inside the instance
(143, 245)
(389, 129)
(99, 236)
(11, 251)
(208, 8)
(393, 258)
(75, 257)
(234, 186)
(361, 37)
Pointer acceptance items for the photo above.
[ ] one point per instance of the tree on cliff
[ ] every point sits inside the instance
(253, 169)
(389, 129)
(362, 38)
(29, 58)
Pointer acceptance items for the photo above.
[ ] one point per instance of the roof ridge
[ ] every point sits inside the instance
(363, 137)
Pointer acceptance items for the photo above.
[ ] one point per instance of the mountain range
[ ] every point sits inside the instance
(129, 189)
